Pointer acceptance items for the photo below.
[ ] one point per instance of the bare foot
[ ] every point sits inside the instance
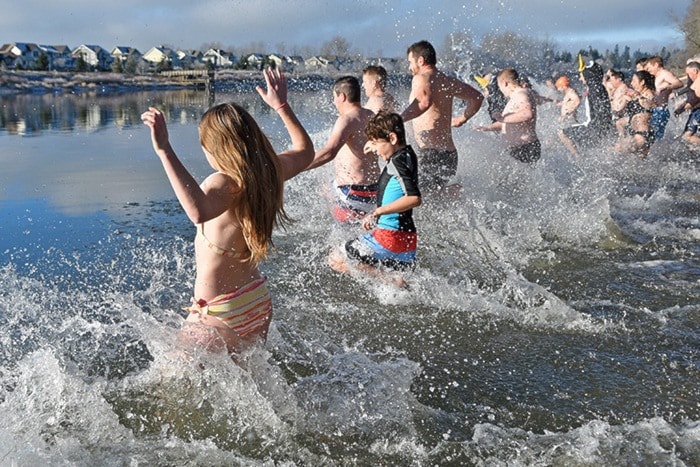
(337, 262)
(399, 282)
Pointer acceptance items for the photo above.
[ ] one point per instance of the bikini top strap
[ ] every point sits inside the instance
(215, 248)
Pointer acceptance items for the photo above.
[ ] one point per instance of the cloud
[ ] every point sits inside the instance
(368, 25)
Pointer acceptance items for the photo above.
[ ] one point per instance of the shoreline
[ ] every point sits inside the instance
(53, 82)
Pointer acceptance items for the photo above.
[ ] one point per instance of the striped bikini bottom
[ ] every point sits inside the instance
(244, 310)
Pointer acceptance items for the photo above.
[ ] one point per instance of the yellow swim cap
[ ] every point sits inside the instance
(483, 82)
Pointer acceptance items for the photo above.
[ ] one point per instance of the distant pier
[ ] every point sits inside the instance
(200, 78)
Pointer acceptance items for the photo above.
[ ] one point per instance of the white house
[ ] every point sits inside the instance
(122, 53)
(20, 54)
(219, 58)
(294, 61)
(93, 55)
(161, 56)
(255, 60)
(315, 63)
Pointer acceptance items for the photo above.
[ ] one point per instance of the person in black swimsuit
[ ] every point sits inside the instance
(639, 133)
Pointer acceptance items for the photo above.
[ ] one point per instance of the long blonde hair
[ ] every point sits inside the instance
(242, 151)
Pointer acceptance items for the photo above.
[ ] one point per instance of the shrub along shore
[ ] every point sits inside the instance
(37, 82)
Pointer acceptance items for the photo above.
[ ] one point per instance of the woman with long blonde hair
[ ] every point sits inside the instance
(235, 211)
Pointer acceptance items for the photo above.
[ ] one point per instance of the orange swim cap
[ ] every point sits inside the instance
(561, 82)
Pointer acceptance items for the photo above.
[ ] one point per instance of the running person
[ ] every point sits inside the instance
(430, 109)
(392, 238)
(355, 172)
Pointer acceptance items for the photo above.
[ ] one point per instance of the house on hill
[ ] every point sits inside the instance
(219, 58)
(190, 58)
(23, 55)
(278, 60)
(61, 58)
(122, 53)
(163, 57)
(293, 61)
(255, 61)
(316, 63)
(93, 55)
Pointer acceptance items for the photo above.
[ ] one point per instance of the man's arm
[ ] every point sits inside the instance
(523, 109)
(339, 136)
(669, 82)
(471, 97)
(422, 98)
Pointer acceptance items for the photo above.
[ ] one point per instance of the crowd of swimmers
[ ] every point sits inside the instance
(634, 113)
(378, 177)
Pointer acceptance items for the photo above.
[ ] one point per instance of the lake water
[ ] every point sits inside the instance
(553, 318)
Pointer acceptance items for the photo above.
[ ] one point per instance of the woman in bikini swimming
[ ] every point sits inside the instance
(234, 210)
(640, 102)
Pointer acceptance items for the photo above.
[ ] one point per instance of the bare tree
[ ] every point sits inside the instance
(690, 27)
(338, 45)
(456, 52)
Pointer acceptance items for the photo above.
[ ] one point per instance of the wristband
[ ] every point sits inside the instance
(283, 104)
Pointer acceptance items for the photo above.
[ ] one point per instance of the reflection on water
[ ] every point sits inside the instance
(31, 114)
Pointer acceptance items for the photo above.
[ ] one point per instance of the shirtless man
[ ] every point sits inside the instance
(519, 119)
(430, 112)
(356, 173)
(569, 102)
(692, 103)
(374, 83)
(665, 82)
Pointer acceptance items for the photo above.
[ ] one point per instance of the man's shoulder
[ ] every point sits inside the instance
(355, 115)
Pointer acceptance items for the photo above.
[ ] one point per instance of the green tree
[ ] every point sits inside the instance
(80, 64)
(42, 62)
(131, 63)
(117, 66)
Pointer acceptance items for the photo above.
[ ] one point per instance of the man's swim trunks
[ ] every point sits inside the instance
(659, 119)
(354, 201)
(693, 124)
(391, 248)
(436, 167)
(244, 310)
(529, 152)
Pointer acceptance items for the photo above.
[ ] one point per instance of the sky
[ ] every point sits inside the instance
(371, 27)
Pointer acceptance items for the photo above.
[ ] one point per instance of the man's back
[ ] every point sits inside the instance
(433, 128)
(352, 165)
(379, 102)
(665, 82)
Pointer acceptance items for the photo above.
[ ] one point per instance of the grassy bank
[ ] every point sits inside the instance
(37, 82)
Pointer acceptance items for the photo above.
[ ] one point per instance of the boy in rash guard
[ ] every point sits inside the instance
(391, 238)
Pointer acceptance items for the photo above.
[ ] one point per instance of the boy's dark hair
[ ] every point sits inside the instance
(383, 124)
(423, 49)
(348, 85)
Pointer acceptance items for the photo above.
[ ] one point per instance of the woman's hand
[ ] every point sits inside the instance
(155, 120)
(276, 93)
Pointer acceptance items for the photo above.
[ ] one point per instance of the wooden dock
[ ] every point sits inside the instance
(199, 78)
